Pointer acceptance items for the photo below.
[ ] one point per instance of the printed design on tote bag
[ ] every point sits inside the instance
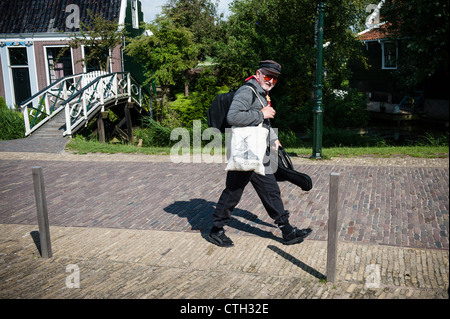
(243, 151)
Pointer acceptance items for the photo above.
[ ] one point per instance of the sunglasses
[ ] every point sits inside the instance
(269, 77)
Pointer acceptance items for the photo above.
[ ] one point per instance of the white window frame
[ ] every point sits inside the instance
(10, 71)
(383, 56)
(47, 66)
(84, 62)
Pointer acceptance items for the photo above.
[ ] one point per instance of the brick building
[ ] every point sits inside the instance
(33, 33)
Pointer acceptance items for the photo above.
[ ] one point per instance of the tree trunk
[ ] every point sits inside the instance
(187, 75)
(186, 89)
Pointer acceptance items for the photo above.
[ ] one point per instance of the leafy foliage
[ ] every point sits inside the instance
(11, 123)
(194, 106)
(200, 17)
(425, 25)
(166, 54)
(345, 109)
(153, 133)
(101, 36)
(284, 30)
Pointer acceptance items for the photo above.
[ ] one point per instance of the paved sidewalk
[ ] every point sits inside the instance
(34, 144)
(134, 226)
(129, 263)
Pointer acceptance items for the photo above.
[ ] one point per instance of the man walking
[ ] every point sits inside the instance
(246, 110)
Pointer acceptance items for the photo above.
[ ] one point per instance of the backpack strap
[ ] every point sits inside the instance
(254, 91)
(262, 104)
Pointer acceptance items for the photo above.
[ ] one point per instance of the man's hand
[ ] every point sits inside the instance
(268, 112)
(276, 145)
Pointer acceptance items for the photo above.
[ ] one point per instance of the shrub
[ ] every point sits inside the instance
(336, 137)
(345, 109)
(342, 109)
(12, 125)
(186, 109)
(3, 103)
(288, 117)
(289, 139)
(430, 139)
(194, 106)
(153, 134)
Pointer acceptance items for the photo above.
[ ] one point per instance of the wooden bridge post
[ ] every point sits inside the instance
(128, 122)
(101, 126)
(100, 129)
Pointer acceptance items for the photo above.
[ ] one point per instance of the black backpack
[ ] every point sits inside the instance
(217, 112)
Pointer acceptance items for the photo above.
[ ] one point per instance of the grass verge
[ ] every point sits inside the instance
(80, 146)
(384, 151)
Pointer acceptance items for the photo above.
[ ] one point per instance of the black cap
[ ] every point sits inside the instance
(271, 66)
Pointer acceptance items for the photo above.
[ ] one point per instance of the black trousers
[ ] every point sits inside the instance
(266, 187)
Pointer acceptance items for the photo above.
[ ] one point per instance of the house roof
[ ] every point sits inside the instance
(43, 16)
(378, 32)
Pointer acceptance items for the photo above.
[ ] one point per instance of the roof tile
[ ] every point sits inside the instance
(34, 16)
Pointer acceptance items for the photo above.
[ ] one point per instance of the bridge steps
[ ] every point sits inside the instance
(55, 127)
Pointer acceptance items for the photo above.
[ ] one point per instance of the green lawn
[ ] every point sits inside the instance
(80, 146)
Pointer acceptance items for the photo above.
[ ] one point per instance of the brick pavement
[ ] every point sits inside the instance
(393, 213)
(34, 144)
(130, 263)
(389, 205)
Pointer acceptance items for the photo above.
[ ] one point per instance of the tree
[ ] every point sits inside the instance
(200, 17)
(166, 54)
(100, 36)
(284, 30)
(424, 27)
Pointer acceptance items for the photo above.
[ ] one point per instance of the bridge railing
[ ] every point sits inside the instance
(104, 89)
(42, 106)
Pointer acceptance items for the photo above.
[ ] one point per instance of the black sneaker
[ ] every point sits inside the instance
(296, 236)
(220, 239)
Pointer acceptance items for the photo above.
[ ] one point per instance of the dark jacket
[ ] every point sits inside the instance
(245, 110)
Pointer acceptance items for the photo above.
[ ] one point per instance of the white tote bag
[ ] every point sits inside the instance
(247, 146)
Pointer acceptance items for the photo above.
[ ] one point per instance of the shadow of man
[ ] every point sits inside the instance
(198, 213)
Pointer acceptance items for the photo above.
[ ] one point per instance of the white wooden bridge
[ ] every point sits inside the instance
(67, 105)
